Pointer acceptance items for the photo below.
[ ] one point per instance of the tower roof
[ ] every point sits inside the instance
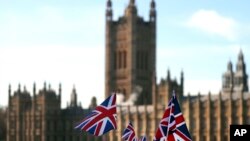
(73, 97)
(240, 56)
(229, 66)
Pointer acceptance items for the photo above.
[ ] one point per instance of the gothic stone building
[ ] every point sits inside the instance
(40, 117)
(130, 62)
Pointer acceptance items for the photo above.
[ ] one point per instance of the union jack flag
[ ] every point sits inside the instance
(179, 130)
(163, 125)
(143, 138)
(175, 123)
(129, 133)
(102, 119)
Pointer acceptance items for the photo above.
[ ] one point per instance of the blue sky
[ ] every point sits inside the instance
(63, 42)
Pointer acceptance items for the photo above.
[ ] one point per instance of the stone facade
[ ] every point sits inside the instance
(208, 116)
(40, 118)
(130, 52)
(131, 62)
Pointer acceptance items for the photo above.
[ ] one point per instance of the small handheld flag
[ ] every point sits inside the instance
(102, 119)
(129, 133)
(172, 126)
(143, 138)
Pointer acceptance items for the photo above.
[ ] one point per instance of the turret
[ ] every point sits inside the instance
(60, 92)
(34, 89)
(152, 13)
(44, 86)
(9, 91)
(73, 98)
(241, 78)
(131, 10)
(168, 75)
(182, 80)
(109, 13)
(93, 103)
(228, 78)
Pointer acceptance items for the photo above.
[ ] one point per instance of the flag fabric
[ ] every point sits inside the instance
(102, 119)
(163, 125)
(129, 133)
(173, 127)
(143, 138)
(178, 130)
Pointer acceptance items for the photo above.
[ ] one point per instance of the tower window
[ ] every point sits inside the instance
(124, 59)
(120, 60)
(142, 60)
(124, 92)
(114, 61)
(137, 59)
(146, 60)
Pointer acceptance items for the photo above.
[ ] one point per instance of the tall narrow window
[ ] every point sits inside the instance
(124, 59)
(137, 59)
(124, 92)
(146, 60)
(120, 60)
(114, 61)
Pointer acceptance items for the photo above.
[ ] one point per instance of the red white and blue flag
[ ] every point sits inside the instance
(175, 123)
(102, 119)
(143, 138)
(163, 125)
(129, 133)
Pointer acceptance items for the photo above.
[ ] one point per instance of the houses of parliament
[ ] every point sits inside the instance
(130, 51)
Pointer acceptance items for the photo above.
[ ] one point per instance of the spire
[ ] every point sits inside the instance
(240, 63)
(241, 77)
(109, 4)
(93, 103)
(131, 9)
(73, 98)
(44, 85)
(109, 12)
(60, 89)
(132, 2)
(9, 95)
(182, 77)
(34, 89)
(59, 92)
(168, 75)
(152, 13)
(152, 5)
(230, 66)
(182, 83)
(9, 90)
(19, 87)
(240, 56)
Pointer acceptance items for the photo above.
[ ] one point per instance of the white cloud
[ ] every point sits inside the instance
(213, 23)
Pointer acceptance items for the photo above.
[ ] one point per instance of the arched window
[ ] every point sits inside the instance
(137, 59)
(124, 59)
(114, 61)
(146, 60)
(142, 60)
(120, 60)
(124, 92)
